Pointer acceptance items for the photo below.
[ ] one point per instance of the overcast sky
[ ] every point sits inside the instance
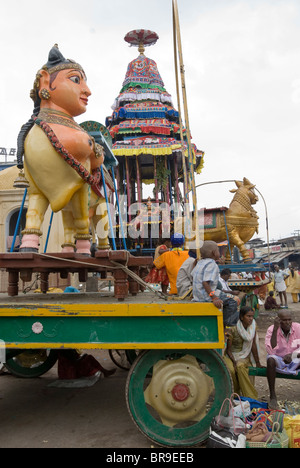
(242, 63)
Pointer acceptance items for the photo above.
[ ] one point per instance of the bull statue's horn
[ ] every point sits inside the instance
(248, 183)
(238, 183)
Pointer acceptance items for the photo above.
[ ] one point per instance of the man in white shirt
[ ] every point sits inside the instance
(223, 279)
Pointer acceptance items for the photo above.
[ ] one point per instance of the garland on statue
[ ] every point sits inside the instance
(91, 179)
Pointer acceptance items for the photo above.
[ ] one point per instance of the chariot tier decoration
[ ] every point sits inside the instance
(148, 143)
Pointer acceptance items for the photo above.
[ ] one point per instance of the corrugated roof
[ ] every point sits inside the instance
(278, 257)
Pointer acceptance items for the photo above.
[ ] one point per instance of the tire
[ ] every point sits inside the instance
(172, 396)
(32, 363)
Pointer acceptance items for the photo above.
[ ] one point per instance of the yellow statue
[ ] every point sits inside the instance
(61, 159)
(238, 223)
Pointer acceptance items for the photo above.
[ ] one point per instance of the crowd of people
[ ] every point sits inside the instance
(282, 283)
(201, 280)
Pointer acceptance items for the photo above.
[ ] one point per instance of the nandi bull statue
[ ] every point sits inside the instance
(238, 223)
(61, 159)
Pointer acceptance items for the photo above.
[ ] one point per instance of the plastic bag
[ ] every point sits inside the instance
(292, 427)
(241, 409)
(255, 403)
(232, 421)
(224, 438)
(228, 431)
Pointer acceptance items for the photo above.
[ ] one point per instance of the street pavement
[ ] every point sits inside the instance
(34, 415)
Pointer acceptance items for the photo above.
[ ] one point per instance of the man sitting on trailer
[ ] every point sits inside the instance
(224, 277)
(205, 284)
(173, 260)
(184, 281)
(282, 343)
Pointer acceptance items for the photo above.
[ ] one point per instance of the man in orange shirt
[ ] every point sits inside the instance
(173, 260)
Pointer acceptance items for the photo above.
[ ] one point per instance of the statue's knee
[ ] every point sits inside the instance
(81, 225)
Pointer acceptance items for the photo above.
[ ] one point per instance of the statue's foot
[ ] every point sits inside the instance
(83, 247)
(68, 247)
(30, 243)
(68, 250)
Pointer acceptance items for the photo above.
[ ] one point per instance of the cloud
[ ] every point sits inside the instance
(247, 114)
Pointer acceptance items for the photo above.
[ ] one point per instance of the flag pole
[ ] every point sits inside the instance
(178, 51)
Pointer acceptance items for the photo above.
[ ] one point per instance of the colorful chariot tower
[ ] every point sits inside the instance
(147, 142)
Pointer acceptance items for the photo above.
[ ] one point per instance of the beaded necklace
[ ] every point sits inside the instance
(58, 117)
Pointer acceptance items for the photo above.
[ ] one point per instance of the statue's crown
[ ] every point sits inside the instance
(57, 62)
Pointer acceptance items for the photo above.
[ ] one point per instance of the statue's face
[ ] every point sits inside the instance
(253, 197)
(69, 92)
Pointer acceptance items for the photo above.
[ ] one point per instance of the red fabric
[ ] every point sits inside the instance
(71, 368)
(157, 276)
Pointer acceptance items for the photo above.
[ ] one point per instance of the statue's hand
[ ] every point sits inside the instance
(99, 156)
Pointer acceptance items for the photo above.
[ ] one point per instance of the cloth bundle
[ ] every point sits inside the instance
(267, 430)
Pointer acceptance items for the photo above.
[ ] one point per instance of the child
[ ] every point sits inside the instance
(271, 303)
(205, 284)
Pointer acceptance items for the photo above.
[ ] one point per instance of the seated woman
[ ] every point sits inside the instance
(271, 303)
(242, 351)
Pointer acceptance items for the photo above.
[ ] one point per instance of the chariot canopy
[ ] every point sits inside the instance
(146, 133)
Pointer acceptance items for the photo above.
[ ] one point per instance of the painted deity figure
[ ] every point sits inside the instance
(61, 160)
